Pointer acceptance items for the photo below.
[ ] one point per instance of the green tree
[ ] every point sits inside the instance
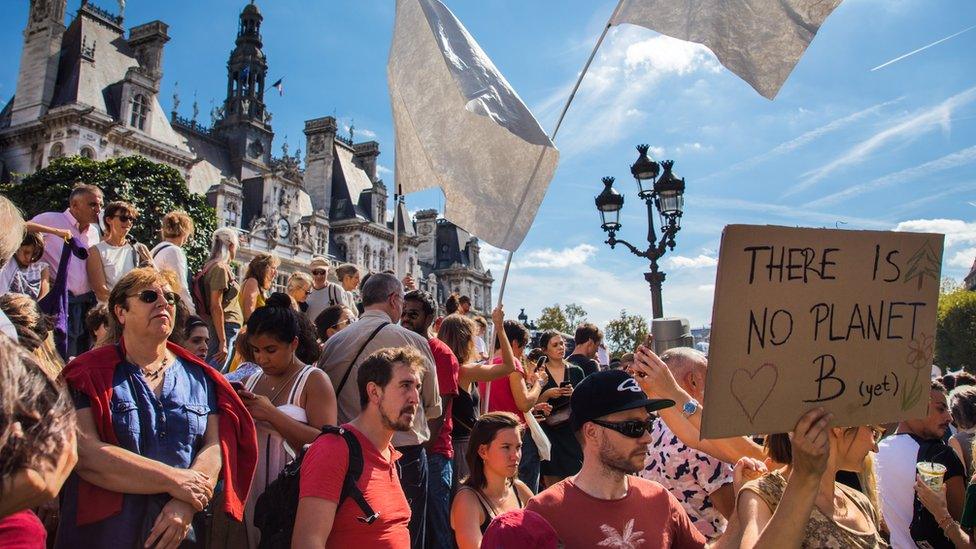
(625, 333)
(553, 318)
(155, 189)
(575, 315)
(955, 339)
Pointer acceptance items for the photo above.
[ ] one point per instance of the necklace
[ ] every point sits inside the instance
(152, 375)
(285, 384)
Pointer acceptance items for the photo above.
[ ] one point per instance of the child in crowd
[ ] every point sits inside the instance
(26, 273)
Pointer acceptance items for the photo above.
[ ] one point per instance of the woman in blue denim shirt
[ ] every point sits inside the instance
(164, 417)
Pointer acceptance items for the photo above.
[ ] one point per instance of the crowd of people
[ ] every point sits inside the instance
(145, 404)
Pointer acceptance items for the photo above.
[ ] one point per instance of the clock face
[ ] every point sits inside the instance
(284, 228)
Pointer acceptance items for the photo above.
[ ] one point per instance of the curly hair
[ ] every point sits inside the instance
(36, 413)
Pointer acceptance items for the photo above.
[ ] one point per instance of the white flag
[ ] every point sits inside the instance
(461, 127)
(759, 40)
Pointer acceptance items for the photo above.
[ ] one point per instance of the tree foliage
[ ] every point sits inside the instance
(553, 318)
(625, 333)
(955, 340)
(562, 319)
(155, 189)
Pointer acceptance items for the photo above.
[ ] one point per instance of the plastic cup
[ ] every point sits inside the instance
(931, 474)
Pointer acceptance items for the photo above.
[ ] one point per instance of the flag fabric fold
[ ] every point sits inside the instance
(279, 86)
(761, 41)
(461, 127)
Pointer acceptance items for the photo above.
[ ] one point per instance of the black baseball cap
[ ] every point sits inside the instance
(607, 392)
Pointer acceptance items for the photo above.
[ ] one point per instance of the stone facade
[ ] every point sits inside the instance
(88, 90)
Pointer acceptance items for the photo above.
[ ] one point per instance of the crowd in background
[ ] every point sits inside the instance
(142, 404)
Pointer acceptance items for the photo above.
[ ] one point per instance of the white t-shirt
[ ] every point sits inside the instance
(895, 468)
(116, 261)
(170, 257)
(327, 296)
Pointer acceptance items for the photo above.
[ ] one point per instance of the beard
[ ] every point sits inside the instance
(402, 421)
(615, 460)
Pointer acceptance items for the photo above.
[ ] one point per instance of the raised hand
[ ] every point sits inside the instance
(811, 443)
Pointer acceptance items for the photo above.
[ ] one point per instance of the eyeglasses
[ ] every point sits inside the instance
(125, 218)
(320, 272)
(343, 323)
(632, 428)
(152, 296)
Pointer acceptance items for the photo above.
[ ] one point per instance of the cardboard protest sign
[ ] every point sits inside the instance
(818, 317)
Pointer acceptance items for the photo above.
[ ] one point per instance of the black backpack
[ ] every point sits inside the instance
(277, 507)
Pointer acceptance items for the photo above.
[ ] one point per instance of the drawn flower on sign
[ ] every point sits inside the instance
(920, 352)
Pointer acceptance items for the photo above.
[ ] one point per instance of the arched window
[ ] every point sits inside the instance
(280, 282)
(140, 111)
(231, 214)
(366, 258)
(57, 151)
(88, 152)
(382, 266)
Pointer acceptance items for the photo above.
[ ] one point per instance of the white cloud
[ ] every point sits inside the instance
(693, 148)
(684, 262)
(383, 169)
(788, 215)
(547, 258)
(963, 259)
(627, 67)
(359, 132)
(947, 162)
(908, 129)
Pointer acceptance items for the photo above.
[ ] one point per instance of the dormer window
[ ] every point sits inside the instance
(140, 111)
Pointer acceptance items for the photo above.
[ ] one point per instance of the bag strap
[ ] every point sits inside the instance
(161, 248)
(350, 488)
(345, 377)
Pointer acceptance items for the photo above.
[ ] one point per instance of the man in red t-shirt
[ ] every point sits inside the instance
(389, 392)
(419, 310)
(605, 505)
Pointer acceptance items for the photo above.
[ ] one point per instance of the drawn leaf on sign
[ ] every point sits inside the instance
(923, 263)
(920, 353)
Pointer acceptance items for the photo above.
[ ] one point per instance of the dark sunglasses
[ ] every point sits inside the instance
(320, 272)
(343, 323)
(633, 428)
(125, 218)
(152, 296)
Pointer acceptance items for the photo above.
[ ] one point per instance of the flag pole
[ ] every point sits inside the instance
(552, 136)
(396, 231)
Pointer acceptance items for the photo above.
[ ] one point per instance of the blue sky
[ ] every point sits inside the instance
(840, 146)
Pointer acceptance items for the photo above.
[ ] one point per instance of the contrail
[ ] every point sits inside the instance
(883, 65)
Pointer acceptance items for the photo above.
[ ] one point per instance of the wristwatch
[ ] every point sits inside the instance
(690, 408)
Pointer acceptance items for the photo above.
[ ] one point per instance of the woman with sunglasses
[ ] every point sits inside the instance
(802, 501)
(331, 320)
(492, 486)
(113, 257)
(289, 400)
(157, 428)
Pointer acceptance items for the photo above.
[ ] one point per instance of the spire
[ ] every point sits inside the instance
(247, 69)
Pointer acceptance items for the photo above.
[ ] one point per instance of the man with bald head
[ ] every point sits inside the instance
(702, 483)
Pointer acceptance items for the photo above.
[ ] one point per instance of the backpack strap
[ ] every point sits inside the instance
(345, 376)
(350, 488)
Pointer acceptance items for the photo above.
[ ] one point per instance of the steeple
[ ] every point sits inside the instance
(247, 70)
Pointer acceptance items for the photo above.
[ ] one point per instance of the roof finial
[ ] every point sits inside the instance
(196, 107)
(352, 128)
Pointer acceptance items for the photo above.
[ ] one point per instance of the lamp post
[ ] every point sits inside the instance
(666, 195)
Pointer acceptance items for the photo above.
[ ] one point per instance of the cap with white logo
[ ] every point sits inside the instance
(607, 392)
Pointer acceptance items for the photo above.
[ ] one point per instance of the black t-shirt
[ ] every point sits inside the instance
(588, 365)
(924, 527)
(464, 411)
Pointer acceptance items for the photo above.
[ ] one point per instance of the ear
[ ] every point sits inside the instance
(120, 311)
(374, 391)
(482, 451)
(294, 344)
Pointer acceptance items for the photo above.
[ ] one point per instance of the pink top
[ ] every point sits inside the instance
(501, 399)
(77, 275)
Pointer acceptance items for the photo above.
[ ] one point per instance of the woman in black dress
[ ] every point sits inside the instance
(566, 456)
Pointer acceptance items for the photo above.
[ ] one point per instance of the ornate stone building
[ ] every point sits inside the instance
(87, 89)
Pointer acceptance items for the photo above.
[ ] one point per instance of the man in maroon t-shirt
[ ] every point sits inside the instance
(419, 310)
(389, 391)
(605, 505)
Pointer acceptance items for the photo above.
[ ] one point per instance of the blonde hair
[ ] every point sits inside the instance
(13, 223)
(223, 239)
(298, 280)
(176, 224)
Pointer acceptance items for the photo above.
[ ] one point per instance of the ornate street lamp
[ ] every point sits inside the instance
(666, 195)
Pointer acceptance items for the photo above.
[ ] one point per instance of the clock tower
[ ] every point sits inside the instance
(246, 122)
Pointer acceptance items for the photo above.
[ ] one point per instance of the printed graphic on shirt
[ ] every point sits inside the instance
(628, 538)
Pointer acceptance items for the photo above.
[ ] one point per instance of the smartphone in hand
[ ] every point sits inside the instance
(540, 362)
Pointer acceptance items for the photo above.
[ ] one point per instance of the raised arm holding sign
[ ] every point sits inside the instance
(817, 317)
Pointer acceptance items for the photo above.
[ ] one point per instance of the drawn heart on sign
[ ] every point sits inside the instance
(752, 390)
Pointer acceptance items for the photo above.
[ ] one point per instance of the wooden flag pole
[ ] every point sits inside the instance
(552, 137)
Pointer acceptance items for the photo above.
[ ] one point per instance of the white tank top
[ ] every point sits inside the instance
(116, 261)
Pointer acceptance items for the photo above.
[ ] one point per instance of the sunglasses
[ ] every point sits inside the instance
(632, 429)
(152, 296)
(320, 272)
(343, 323)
